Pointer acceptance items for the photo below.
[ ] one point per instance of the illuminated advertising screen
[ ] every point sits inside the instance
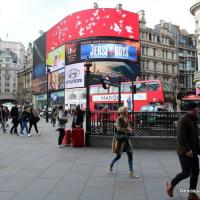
(57, 98)
(72, 52)
(57, 80)
(56, 59)
(74, 75)
(108, 51)
(93, 23)
(129, 70)
(39, 69)
(113, 49)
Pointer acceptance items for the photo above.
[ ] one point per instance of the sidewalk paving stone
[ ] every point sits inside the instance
(33, 168)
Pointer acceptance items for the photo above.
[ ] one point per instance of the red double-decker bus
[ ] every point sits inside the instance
(150, 95)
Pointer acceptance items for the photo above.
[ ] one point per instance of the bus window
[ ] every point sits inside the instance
(94, 90)
(141, 87)
(113, 89)
(126, 88)
(153, 86)
(102, 90)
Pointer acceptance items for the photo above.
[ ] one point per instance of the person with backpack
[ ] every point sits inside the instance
(33, 120)
(24, 118)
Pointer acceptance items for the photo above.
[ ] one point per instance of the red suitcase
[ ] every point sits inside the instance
(67, 140)
(78, 137)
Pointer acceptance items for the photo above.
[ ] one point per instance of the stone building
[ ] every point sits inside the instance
(195, 10)
(158, 53)
(24, 76)
(186, 53)
(11, 59)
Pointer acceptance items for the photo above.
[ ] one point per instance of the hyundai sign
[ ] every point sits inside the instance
(106, 51)
(74, 75)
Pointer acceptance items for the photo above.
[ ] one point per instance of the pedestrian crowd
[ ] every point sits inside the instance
(19, 116)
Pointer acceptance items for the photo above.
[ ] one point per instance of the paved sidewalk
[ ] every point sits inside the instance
(34, 169)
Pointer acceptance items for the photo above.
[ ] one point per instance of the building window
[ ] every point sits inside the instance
(154, 52)
(7, 84)
(155, 66)
(7, 59)
(7, 90)
(150, 37)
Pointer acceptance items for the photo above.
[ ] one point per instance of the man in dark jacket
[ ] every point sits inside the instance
(2, 117)
(187, 150)
(14, 114)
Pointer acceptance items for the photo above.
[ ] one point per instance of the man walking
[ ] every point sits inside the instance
(187, 150)
(14, 113)
(2, 117)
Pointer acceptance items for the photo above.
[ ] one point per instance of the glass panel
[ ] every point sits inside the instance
(102, 90)
(153, 86)
(94, 90)
(141, 87)
(127, 88)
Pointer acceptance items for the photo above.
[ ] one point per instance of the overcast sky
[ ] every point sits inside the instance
(21, 20)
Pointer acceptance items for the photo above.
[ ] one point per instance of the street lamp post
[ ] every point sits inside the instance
(47, 105)
(119, 90)
(88, 64)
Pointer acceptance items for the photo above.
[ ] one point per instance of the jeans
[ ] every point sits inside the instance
(61, 136)
(190, 167)
(24, 125)
(130, 160)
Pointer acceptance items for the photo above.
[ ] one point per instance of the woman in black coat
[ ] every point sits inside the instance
(33, 120)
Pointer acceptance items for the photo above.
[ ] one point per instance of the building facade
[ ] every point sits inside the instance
(11, 60)
(186, 53)
(24, 76)
(195, 10)
(158, 53)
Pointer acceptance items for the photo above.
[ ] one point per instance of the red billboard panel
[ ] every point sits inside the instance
(92, 23)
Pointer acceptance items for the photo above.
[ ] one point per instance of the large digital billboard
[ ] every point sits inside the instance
(57, 98)
(56, 59)
(57, 80)
(92, 23)
(110, 49)
(39, 68)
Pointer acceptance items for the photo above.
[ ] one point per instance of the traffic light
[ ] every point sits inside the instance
(133, 88)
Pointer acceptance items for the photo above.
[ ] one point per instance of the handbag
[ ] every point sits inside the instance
(62, 121)
(37, 119)
(121, 136)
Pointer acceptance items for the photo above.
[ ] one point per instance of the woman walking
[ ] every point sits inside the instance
(61, 123)
(33, 120)
(121, 141)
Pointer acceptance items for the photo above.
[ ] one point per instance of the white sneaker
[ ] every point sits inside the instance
(59, 146)
(29, 135)
(131, 174)
(38, 133)
(21, 134)
(110, 170)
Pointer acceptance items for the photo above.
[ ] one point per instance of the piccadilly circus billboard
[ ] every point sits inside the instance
(103, 34)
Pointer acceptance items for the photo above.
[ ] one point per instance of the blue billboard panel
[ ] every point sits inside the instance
(109, 51)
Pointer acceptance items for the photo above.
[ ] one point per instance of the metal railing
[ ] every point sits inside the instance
(142, 123)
